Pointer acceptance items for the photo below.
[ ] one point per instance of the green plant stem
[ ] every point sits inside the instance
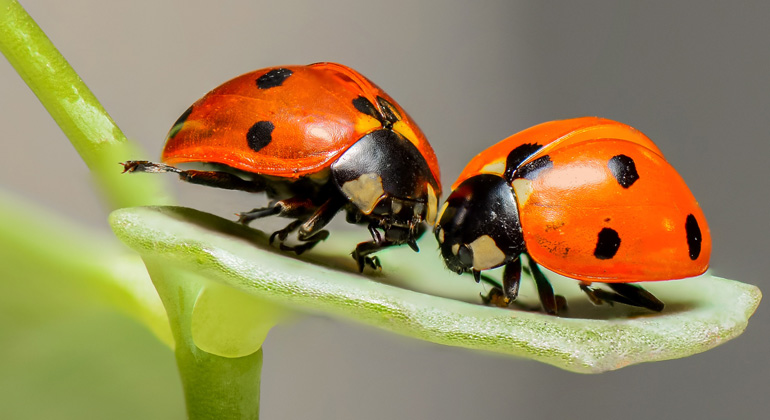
(92, 132)
(215, 387)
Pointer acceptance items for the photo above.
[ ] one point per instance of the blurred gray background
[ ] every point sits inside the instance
(692, 75)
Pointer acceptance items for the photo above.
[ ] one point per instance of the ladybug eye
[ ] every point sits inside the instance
(465, 255)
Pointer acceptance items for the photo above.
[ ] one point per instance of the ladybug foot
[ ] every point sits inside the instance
(284, 233)
(307, 244)
(495, 297)
(368, 261)
(248, 216)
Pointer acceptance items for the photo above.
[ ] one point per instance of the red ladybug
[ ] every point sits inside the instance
(588, 198)
(316, 139)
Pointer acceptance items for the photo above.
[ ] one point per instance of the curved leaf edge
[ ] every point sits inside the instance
(716, 310)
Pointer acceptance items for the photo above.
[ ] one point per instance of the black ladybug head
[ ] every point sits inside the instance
(478, 228)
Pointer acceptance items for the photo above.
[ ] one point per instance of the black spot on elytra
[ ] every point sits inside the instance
(179, 123)
(531, 170)
(389, 111)
(260, 135)
(364, 105)
(518, 155)
(624, 170)
(607, 244)
(273, 78)
(694, 237)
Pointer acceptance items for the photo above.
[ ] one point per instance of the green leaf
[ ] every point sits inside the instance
(45, 255)
(415, 296)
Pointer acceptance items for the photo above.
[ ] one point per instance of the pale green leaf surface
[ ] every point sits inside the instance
(415, 296)
(44, 254)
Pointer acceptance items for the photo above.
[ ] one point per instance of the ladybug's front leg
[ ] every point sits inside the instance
(217, 179)
(362, 251)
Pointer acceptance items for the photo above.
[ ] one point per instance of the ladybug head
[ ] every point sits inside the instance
(386, 178)
(479, 228)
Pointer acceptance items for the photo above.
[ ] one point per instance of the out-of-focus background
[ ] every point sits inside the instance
(692, 75)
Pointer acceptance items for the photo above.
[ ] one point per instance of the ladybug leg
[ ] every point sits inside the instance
(495, 297)
(638, 296)
(246, 217)
(284, 233)
(544, 289)
(362, 251)
(217, 179)
(511, 279)
(502, 296)
(298, 249)
(625, 293)
(310, 230)
(295, 208)
(312, 227)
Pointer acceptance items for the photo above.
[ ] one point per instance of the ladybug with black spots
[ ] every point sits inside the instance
(317, 140)
(588, 198)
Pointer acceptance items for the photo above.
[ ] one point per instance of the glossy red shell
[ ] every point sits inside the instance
(312, 114)
(564, 207)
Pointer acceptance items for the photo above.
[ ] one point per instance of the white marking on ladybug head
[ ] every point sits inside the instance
(440, 236)
(455, 249)
(523, 189)
(432, 206)
(486, 254)
(365, 191)
(496, 167)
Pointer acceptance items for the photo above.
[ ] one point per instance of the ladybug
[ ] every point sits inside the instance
(588, 198)
(316, 139)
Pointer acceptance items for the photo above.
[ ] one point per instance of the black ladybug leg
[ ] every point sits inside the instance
(246, 217)
(215, 179)
(284, 233)
(501, 296)
(295, 208)
(298, 249)
(544, 288)
(638, 296)
(625, 293)
(310, 230)
(362, 251)
(511, 279)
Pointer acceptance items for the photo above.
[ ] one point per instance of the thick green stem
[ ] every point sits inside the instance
(215, 387)
(75, 109)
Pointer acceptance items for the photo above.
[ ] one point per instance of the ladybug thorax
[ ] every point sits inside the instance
(478, 227)
(386, 178)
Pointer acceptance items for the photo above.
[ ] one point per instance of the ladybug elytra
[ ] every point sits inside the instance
(588, 198)
(317, 139)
